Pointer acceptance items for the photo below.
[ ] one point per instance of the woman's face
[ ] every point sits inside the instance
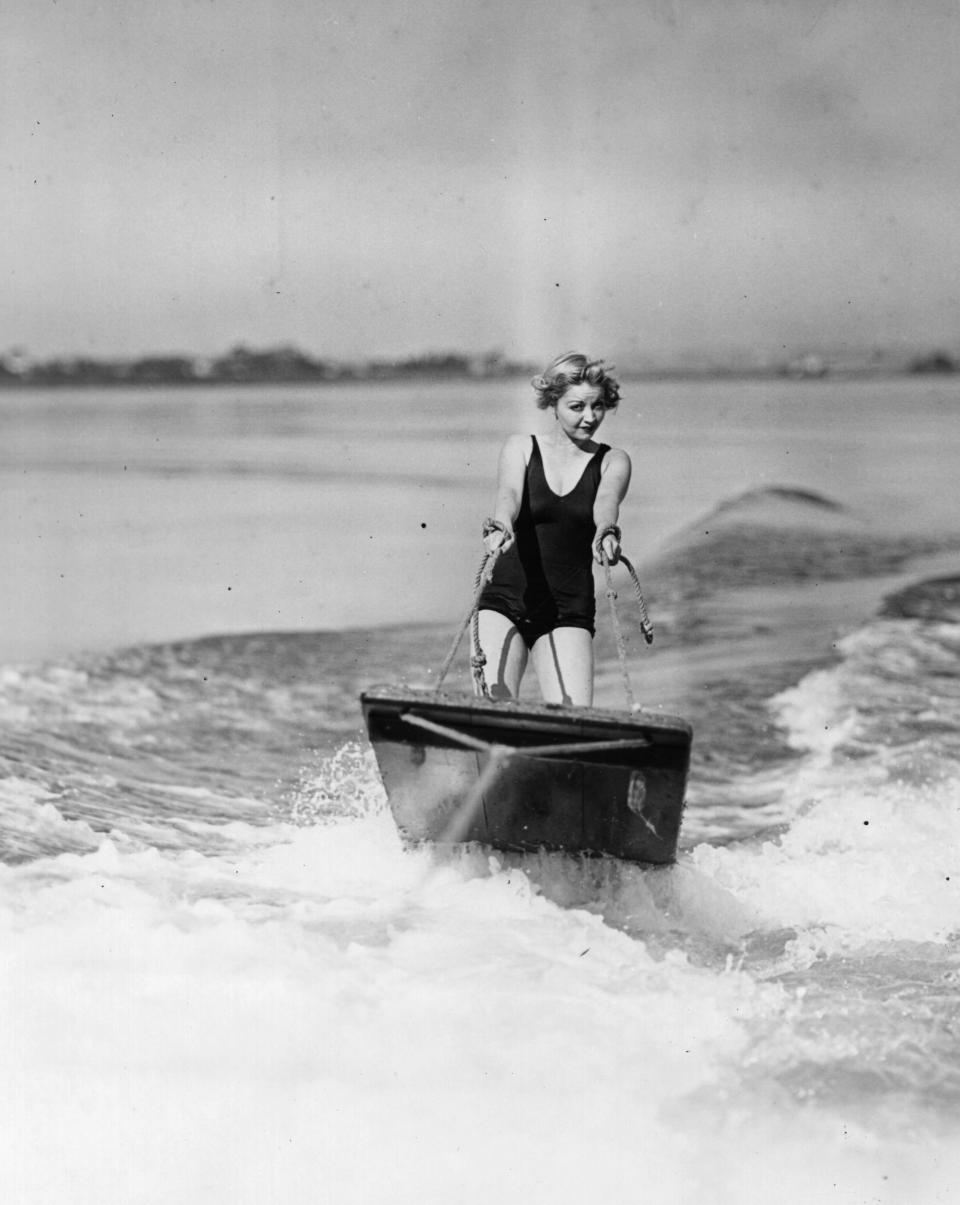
(580, 411)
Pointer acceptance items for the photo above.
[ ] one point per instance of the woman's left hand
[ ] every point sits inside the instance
(610, 545)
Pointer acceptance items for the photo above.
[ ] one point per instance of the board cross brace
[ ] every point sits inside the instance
(497, 754)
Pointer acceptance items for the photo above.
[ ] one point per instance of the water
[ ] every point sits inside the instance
(225, 979)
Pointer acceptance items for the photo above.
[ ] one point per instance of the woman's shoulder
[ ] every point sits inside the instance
(514, 457)
(519, 439)
(615, 458)
(518, 446)
(616, 467)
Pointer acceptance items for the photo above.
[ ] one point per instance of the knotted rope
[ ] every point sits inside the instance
(645, 625)
(477, 657)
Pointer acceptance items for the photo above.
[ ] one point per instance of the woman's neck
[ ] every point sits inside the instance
(566, 448)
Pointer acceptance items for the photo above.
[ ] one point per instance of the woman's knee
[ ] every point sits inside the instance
(504, 652)
(563, 660)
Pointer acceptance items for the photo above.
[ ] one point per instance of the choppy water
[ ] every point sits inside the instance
(225, 979)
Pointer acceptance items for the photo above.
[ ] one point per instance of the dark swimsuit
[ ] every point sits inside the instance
(545, 580)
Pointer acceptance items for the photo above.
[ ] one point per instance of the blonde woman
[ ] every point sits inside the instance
(558, 502)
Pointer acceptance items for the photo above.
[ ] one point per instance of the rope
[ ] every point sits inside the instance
(477, 660)
(621, 647)
(646, 627)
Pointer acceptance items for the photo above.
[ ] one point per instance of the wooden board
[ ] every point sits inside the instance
(620, 792)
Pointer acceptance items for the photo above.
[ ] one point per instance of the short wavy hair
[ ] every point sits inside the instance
(572, 368)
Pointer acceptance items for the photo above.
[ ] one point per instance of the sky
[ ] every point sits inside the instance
(645, 180)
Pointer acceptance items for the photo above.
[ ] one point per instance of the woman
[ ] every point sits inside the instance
(558, 501)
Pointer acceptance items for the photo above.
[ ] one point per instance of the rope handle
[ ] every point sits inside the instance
(617, 631)
(645, 625)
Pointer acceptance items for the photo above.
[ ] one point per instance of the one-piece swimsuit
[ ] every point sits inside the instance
(545, 579)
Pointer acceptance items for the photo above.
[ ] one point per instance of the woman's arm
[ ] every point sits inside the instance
(614, 483)
(510, 473)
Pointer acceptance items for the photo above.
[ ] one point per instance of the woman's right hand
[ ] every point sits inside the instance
(497, 537)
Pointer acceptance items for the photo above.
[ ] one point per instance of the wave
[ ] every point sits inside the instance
(781, 534)
(936, 598)
(787, 504)
(153, 739)
(870, 851)
(167, 745)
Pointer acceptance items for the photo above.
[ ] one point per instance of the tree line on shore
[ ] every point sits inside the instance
(244, 365)
(289, 365)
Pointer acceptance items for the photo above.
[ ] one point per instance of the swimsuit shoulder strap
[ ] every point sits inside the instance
(596, 462)
(535, 462)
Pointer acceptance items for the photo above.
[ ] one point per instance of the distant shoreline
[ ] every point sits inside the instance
(288, 366)
(14, 382)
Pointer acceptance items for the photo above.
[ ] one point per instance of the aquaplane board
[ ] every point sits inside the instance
(624, 798)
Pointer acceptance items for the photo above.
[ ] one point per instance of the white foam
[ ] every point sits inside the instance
(861, 865)
(329, 1015)
(871, 851)
(309, 1011)
(32, 823)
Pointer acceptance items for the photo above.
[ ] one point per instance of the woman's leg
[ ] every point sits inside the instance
(505, 652)
(563, 660)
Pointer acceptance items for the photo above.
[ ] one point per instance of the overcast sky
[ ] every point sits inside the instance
(642, 178)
